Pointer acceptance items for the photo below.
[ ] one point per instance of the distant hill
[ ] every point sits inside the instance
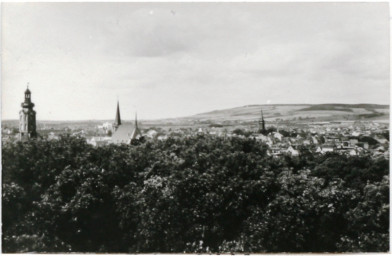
(297, 112)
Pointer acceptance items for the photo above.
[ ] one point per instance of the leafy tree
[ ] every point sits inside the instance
(368, 222)
(201, 193)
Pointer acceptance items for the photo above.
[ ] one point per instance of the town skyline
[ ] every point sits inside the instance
(262, 106)
(158, 58)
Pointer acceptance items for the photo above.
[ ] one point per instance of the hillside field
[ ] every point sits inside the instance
(299, 112)
(250, 114)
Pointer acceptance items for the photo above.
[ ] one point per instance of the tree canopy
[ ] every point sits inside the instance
(201, 193)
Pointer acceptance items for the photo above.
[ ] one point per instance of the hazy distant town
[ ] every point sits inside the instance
(367, 135)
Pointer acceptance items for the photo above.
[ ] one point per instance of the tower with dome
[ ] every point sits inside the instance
(27, 122)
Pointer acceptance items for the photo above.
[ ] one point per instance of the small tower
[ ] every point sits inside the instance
(117, 121)
(27, 124)
(136, 121)
(136, 134)
(262, 123)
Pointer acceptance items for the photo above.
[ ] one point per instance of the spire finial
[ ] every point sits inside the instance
(28, 85)
(136, 119)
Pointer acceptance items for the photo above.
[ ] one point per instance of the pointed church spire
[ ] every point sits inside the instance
(117, 121)
(262, 123)
(136, 134)
(118, 117)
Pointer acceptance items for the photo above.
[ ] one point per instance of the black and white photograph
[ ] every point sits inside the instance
(195, 127)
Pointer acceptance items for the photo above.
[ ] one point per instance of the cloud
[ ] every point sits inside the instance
(176, 59)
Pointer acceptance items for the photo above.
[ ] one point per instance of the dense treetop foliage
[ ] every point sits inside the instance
(196, 194)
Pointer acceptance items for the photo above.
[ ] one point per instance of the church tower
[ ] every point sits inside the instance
(136, 134)
(27, 125)
(117, 120)
(262, 123)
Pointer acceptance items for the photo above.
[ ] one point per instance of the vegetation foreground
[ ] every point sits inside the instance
(196, 194)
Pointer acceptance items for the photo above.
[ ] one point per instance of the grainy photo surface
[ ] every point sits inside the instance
(195, 127)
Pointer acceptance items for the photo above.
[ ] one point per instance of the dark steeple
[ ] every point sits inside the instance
(136, 120)
(136, 134)
(27, 100)
(262, 123)
(117, 121)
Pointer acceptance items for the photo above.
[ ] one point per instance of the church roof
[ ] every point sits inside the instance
(123, 134)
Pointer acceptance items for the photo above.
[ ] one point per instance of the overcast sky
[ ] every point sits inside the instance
(178, 59)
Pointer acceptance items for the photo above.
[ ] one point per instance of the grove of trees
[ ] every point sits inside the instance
(197, 194)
